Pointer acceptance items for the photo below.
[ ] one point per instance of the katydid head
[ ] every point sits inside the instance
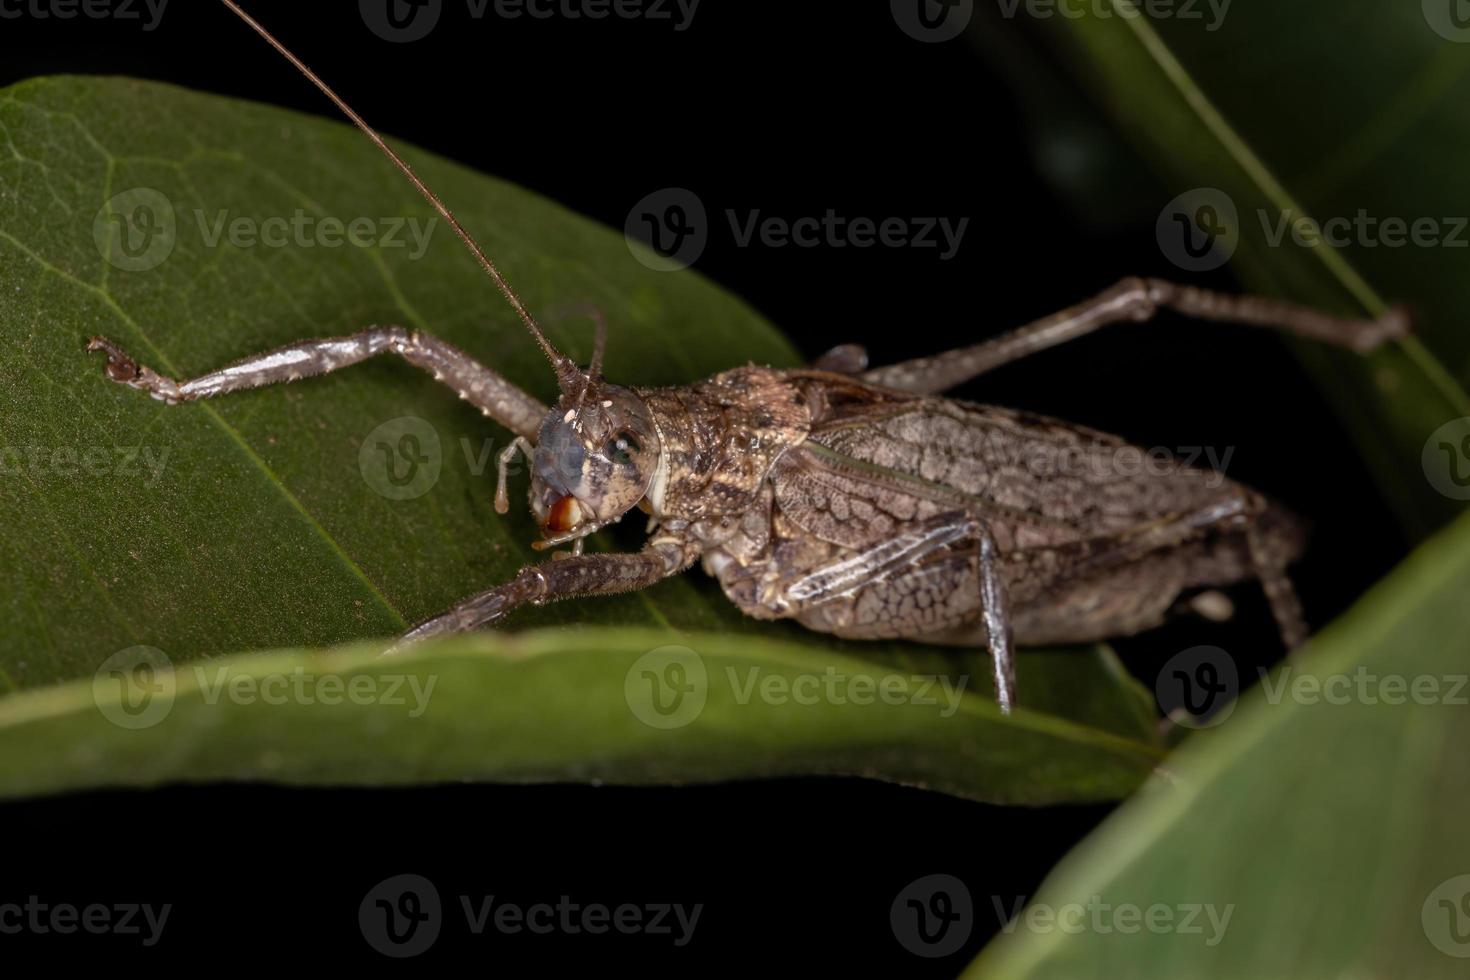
(595, 458)
(597, 451)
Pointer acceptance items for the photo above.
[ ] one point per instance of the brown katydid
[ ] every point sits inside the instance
(856, 501)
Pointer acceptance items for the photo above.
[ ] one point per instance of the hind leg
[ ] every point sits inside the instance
(1135, 300)
(843, 359)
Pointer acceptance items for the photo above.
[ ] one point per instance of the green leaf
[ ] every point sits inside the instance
(589, 705)
(257, 521)
(1327, 818)
(1309, 110)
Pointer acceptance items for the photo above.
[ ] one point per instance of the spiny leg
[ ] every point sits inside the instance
(1286, 606)
(1242, 511)
(564, 578)
(1135, 300)
(475, 383)
(996, 611)
(905, 550)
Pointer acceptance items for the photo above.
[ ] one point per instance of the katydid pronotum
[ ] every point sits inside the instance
(856, 501)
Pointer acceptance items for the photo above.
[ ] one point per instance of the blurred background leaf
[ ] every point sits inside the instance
(1303, 110)
(1324, 817)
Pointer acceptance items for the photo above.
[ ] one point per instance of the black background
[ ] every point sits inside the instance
(791, 108)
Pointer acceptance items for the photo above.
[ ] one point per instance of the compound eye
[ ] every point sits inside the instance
(560, 457)
(623, 447)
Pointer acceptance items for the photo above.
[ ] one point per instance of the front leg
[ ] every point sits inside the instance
(489, 392)
(562, 578)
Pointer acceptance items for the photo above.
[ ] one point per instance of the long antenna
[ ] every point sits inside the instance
(557, 359)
